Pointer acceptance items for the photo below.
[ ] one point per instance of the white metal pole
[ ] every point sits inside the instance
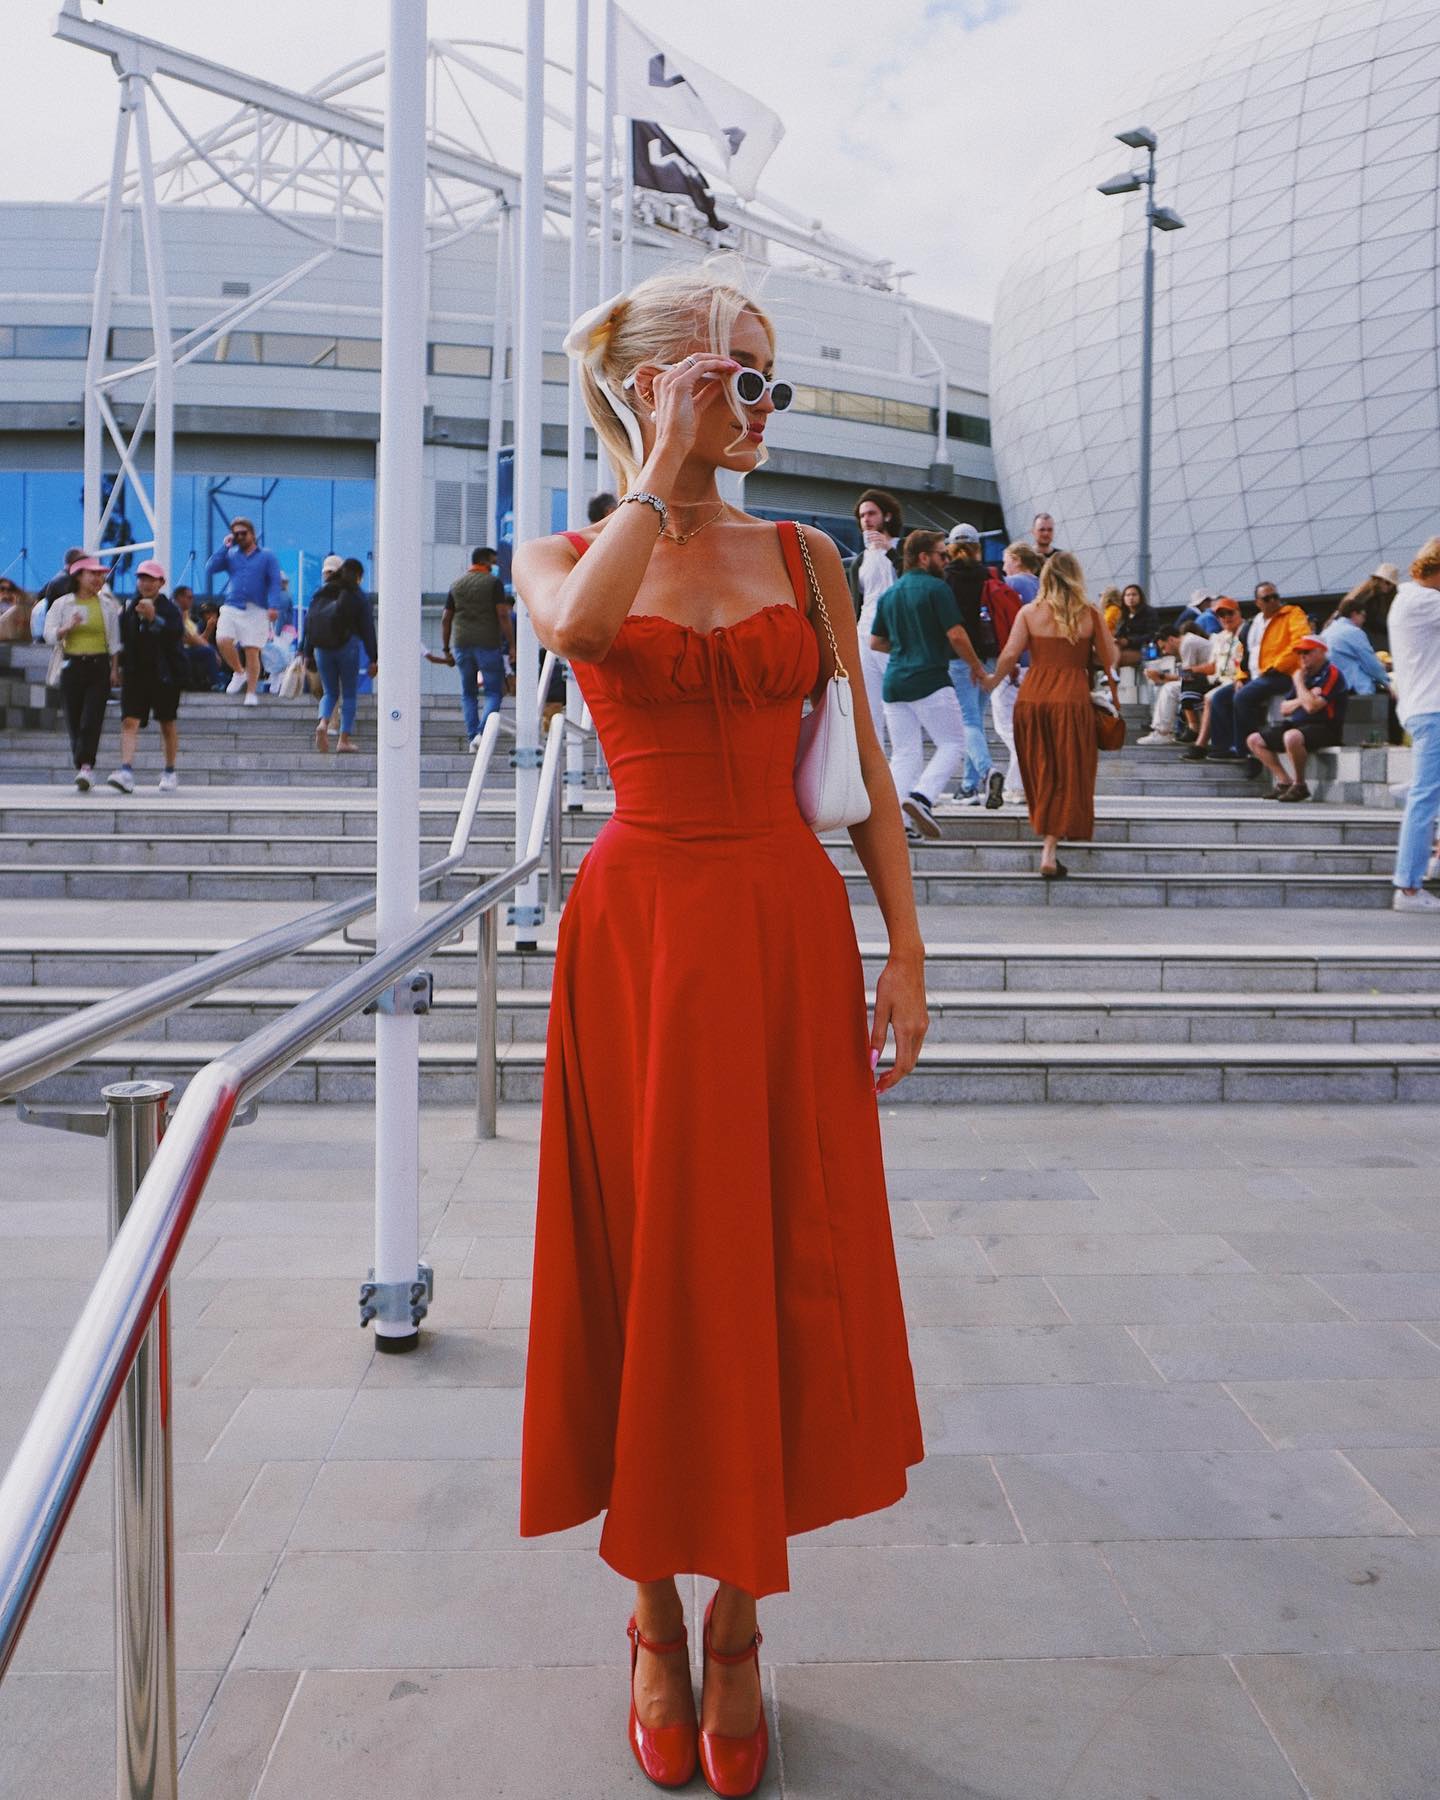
(163, 428)
(579, 234)
(526, 914)
(575, 418)
(401, 484)
(100, 318)
(607, 156)
(498, 353)
(627, 207)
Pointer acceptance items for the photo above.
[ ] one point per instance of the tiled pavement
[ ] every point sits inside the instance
(1175, 1538)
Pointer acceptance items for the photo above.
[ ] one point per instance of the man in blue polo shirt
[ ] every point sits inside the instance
(252, 599)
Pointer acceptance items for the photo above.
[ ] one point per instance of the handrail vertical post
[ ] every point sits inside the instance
(487, 1023)
(555, 881)
(147, 1760)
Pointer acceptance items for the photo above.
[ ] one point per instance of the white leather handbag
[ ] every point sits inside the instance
(829, 786)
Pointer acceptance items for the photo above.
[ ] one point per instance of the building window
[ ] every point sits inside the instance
(555, 366)
(867, 409)
(907, 415)
(52, 341)
(234, 347)
(297, 351)
(965, 428)
(357, 353)
(460, 359)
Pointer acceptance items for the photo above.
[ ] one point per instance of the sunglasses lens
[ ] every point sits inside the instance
(782, 396)
(750, 386)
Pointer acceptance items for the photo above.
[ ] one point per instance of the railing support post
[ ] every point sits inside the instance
(147, 1760)
(555, 879)
(487, 1023)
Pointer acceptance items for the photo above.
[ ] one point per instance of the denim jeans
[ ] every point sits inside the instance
(972, 704)
(340, 679)
(490, 664)
(1422, 803)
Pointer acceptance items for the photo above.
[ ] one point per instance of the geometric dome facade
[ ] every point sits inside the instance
(1297, 356)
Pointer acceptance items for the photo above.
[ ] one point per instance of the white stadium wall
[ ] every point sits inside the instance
(1297, 424)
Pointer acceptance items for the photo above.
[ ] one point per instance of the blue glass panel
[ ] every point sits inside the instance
(52, 340)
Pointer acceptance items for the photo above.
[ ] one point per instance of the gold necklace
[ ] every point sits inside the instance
(684, 537)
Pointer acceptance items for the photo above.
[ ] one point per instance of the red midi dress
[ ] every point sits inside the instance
(717, 1355)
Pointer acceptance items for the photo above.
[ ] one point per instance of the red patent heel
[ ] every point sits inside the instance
(666, 1753)
(734, 1766)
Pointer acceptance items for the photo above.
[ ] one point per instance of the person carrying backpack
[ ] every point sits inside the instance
(967, 577)
(338, 625)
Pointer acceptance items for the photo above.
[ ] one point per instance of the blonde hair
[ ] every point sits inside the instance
(1062, 589)
(1026, 555)
(658, 321)
(1427, 560)
(1111, 597)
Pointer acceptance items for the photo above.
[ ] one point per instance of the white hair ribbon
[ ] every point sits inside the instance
(584, 342)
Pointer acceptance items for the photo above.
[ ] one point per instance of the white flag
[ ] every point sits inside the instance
(676, 92)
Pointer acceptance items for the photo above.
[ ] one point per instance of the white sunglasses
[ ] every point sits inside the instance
(748, 385)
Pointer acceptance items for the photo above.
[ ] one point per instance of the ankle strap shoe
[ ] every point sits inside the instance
(734, 1766)
(666, 1753)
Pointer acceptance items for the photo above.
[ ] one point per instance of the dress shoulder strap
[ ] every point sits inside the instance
(794, 562)
(581, 544)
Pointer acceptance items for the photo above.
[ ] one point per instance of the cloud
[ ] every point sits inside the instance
(918, 133)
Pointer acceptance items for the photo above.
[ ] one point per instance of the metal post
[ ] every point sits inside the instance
(607, 155)
(627, 209)
(401, 484)
(487, 1029)
(498, 353)
(526, 914)
(100, 308)
(555, 879)
(163, 430)
(147, 1761)
(1147, 364)
(579, 235)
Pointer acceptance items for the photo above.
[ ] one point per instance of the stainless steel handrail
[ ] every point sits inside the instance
(45, 1476)
(47, 1049)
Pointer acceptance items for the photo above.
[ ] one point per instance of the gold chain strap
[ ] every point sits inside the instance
(819, 598)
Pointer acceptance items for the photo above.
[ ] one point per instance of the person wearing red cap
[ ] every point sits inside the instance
(84, 628)
(1312, 719)
(152, 673)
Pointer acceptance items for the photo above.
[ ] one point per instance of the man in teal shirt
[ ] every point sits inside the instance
(919, 624)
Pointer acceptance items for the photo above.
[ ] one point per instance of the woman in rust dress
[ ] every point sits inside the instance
(717, 1353)
(1055, 738)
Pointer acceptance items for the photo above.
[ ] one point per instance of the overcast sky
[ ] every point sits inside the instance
(918, 130)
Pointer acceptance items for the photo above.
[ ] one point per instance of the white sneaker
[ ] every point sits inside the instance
(1419, 901)
(1014, 797)
(476, 741)
(122, 781)
(168, 782)
(237, 684)
(252, 700)
(82, 779)
(1157, 737)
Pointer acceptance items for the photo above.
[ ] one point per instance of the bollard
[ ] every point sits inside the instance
(147, 1766)
(487, 1023)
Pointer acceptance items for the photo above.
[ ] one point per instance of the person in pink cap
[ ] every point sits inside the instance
(152, 673)
(84, 629)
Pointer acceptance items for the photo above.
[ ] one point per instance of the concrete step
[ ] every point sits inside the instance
(988, 1073)
(45, 959)
(254, 880)
(957, 1016)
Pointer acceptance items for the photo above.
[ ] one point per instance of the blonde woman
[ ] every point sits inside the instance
(1066, 637)
(717, 1356)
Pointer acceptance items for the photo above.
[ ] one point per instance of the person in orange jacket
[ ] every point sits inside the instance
(1272, 655)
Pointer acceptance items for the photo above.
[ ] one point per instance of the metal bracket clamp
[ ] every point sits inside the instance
(94, 1121)
(397, 1302)
(525, 915)
(527, 758)
(414, 994)
(573, 777)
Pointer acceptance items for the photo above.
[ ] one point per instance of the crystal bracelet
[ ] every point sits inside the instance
(652, 500)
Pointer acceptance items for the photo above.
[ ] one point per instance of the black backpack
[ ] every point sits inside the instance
(327, 626)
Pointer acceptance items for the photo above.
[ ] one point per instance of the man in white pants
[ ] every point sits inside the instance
(918, 627)
(250, 601)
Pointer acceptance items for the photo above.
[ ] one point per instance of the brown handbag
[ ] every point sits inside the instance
(1110, 727)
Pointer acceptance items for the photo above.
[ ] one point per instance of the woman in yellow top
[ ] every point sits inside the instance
(84, 627)
(1111, 607)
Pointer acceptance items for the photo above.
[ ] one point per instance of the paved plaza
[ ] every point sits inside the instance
(1175, 1537)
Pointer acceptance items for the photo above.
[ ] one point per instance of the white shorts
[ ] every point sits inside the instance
(248, 626)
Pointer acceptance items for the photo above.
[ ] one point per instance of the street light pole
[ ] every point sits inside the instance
(1157, 218)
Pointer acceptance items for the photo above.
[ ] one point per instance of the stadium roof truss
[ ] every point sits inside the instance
(313, 164)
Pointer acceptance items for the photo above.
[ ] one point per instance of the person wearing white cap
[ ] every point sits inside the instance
(84, 628)
(152, 674)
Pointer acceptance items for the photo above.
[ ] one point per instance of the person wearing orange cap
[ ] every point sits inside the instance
(152, 673)
(1312, 719)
